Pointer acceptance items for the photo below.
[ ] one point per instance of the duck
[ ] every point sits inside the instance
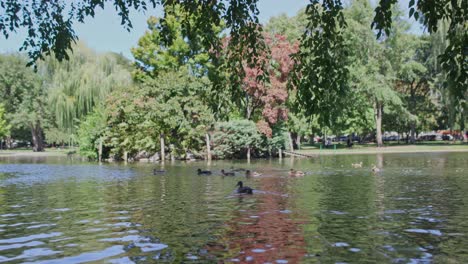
(228, 173)
(296, 173)
(203, 172)
(356, 165)
(157, 172)
(243, 189)
(249, 173)
(375, 169)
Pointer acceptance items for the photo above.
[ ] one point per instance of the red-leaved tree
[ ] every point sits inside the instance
(269, 97)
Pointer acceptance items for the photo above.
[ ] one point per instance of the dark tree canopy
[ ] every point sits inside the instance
(50, 24)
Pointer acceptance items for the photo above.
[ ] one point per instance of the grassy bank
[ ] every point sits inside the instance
(435, 146)
(49, 152)
(305, 149)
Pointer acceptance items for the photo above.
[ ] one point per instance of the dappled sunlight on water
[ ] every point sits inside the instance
(63, 211)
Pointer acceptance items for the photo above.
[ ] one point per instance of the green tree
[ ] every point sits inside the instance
(171, 107)
(291, 27)
(50, 29)
(4, 126)
(372, 74)
(24, 97)
(236, 139)
(90, 133)
(77, 85)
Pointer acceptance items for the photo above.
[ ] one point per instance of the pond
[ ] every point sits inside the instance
(57, 210)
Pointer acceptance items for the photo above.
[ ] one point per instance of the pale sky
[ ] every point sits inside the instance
(104, 32)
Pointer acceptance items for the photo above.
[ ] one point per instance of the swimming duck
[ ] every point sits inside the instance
(296, 173)
(204, 172)
(249, 173)
(375, 169)
(227, 173)
(356, 165)
(244, 189)
(157, 172)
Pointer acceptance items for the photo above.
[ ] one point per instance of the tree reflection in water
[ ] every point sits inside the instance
(263, 231)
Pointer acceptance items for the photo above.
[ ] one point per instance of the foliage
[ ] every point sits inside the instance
(24, 98)
(264, 101)
(90, 131)
(50, 24)
(4, 126)
(291, 27)
(231, 139)
(189, 78)
(321, 72)
(57, 136)
(431, 14)
(77, 85)
(173, 104)
(155, 54)
(322, 77)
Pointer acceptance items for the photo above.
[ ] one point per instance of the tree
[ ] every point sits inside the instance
(268, 97)
(412, 80)
(24, 97)
(50, 29)
(171, 106)
(4, 126)
(77, 85)
(50, 24)
(372, 76)
(160, 60)
(90, 133)
(291, 27)
(321, 73)
(236, 139)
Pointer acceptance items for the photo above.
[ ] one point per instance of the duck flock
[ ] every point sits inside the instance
(241, 189)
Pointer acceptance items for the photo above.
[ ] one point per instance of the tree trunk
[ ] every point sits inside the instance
(280, 153)
(291, 147)
(208, 146)
(100, 150)
(36, 133)
(298, 141)
(248, 109)
(8, 142)
(171, 147)
(163, 154)
(248, 153)
(378, 123)
(412, 132)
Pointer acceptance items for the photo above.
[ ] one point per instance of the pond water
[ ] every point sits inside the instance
(56, 210)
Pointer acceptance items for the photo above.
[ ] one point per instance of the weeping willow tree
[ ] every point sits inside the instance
(76, 86)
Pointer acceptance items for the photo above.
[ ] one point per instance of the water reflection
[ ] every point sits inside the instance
(262, 229)
(64, 211)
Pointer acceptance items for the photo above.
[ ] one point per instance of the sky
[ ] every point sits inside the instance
(104, 32)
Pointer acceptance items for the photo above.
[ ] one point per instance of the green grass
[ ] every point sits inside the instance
(29, 152)
(341, 148)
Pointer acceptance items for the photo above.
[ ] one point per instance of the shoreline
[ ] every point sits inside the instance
(305, 153)
(30, 153)
(389, 151)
